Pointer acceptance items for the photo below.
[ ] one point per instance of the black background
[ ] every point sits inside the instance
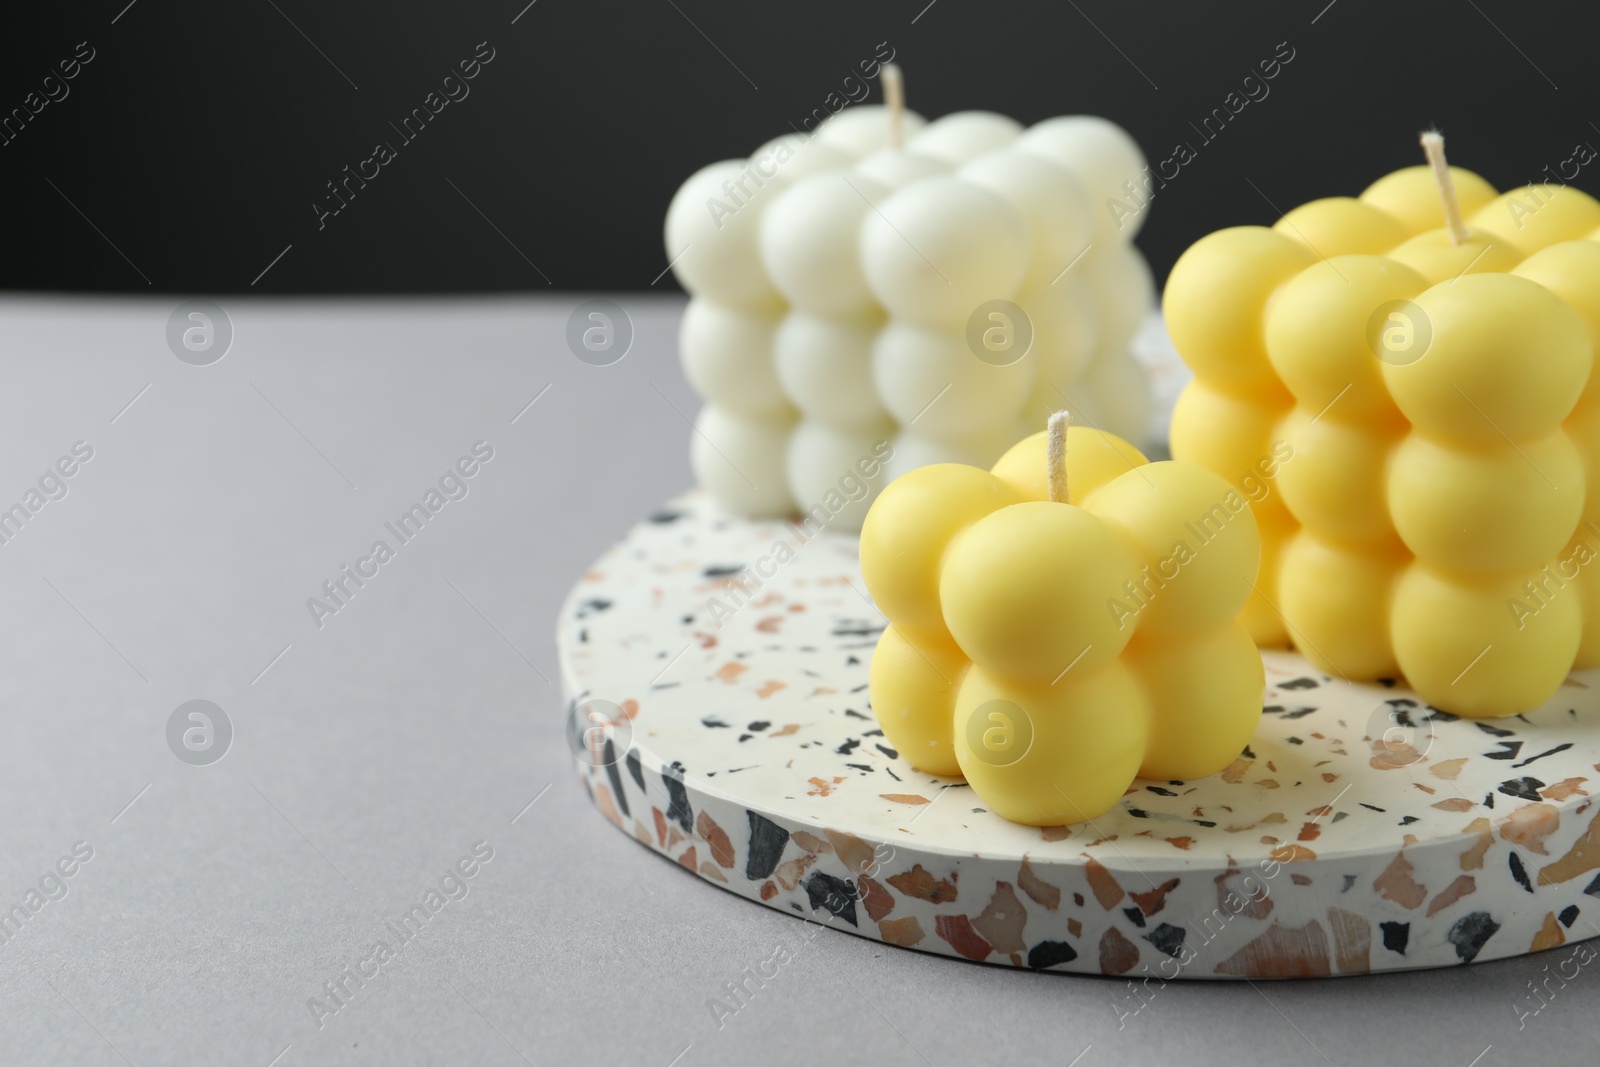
(201, 134)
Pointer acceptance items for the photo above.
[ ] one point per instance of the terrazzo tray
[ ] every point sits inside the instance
(1360, 831)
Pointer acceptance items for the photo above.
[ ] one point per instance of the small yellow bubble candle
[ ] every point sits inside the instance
(1422, 356)
(1063, 623)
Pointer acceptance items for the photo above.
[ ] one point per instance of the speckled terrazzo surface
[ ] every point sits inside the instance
(1359, 831)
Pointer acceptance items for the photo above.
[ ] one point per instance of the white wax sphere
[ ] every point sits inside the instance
(937, 249)
(826, 465)
(912, 366)
(863, 128)
(1119, 390)
(742, 462)
(825, 367)
(712, 234)
(981, 449)
(894, 167)
(1102, 156)
(794, 157)
(1124, 291)
(1050, 200)
(810, 238)
(728, 358)
(965, 135)
(1066, 330)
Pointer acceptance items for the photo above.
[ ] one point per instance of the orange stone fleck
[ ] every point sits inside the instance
(1464, 885)
(1105, 887)
(1397, 884)
(1549, 935)
(1282, 952)
(903, 932)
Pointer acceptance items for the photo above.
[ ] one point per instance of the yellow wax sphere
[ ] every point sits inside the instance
(1506, 358)
(1342, 226)
(1197, 538)
(1214, 300)
(913, 690)
(1463, 646)
(1537, 216)
(1205, 700)
(1262, 614)
(1324, 333)
(1578, 561)
(1486, 509)
(1336, 480)
(1224, 432)
(1085, 739)
(1571, 270)
(1411, 195)
(1025, 590)
(907, 531)
(1436, 256)
(1339, 599)
(1583, 430)
(1093, 459)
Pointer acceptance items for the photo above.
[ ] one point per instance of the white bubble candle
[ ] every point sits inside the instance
(939, 286)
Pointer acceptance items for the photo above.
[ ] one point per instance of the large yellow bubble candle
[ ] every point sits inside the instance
(1063, 623)
(1423, 353)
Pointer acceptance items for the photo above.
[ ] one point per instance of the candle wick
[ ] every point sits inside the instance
(1433, 148)
(894, 101)
(1056, 455)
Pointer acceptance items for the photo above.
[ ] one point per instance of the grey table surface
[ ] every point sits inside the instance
(372, 753)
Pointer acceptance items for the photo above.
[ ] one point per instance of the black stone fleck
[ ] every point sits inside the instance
(1349, 880)
(848, 747)
(1050, 954)
(679, 811)
(1287, 713)
(1508, 750)
(1569, 915)
(1395, 936)
(834, 895)
(1526, 788)
(767, 842)
(635, 769)
(887, 751)
(1469, 934)
(725, 570)
(1135, 916)
(1520, 873)
(1167, 938)
(1300, 683)
(1542, 755)
(758, 726)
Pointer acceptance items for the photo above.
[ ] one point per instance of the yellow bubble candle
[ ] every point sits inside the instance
(1417, 362)
(1063, 623)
